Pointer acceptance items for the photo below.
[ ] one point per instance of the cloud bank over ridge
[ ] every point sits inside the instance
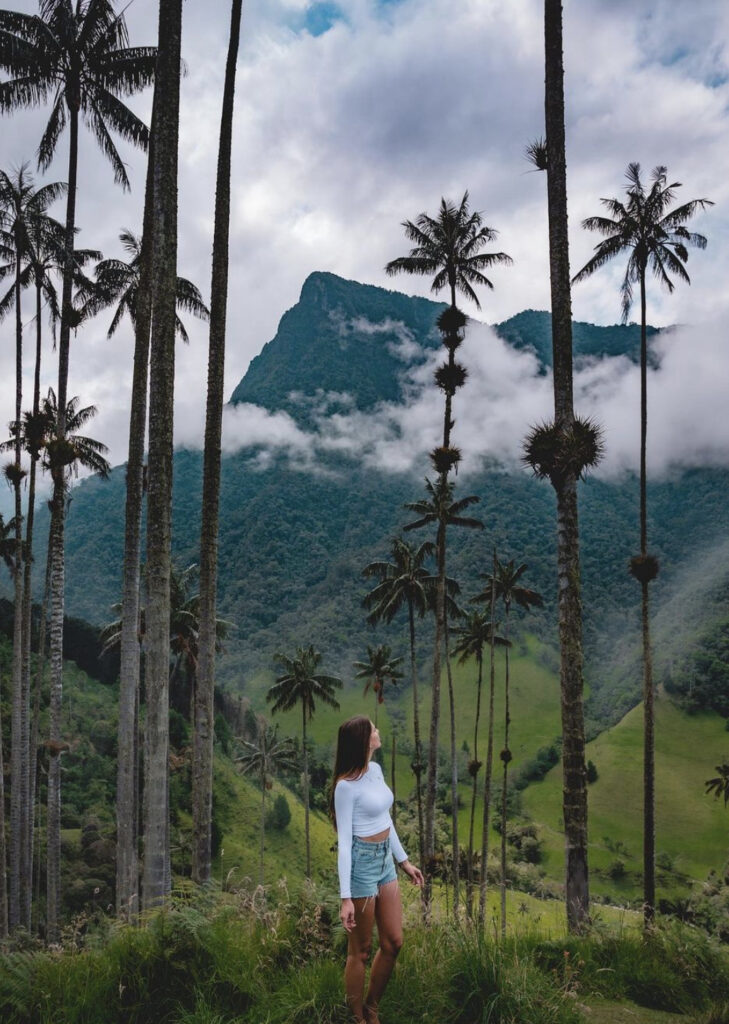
(506, 394)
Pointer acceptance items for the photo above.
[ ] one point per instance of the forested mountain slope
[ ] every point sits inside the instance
(296, 534)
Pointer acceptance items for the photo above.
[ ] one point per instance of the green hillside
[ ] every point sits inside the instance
(692, 829)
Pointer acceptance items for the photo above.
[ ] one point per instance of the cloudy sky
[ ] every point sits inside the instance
(353, 115)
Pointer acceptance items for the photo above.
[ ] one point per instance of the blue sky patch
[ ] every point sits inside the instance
(320, 17)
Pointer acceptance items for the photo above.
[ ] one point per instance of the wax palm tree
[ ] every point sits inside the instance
(157, 880)
(42, 257)
(561, 452)
(404, 582)
(300, 683)
(202, 769)
(78, 57)
(440, 509)
(20, 204)
(477, 632)
(503, 585)
(448, 246)
(127, 783)
(64, 453)
(266, 756)
(117, 282)
(654, 237)
(377, 670)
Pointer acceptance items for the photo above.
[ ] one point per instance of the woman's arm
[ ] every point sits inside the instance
(414, 874)
(343, 804)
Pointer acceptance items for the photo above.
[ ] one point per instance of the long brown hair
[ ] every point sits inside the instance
(353, 747)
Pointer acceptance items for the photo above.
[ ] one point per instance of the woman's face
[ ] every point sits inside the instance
(375, 741)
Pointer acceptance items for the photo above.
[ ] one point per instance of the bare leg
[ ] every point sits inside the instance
(388, 914)
(358, 953)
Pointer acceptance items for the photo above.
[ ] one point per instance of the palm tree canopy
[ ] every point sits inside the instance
(77, 56)
(644, 226)
(504, 584)
(7, 543)
(117, 282)
(25, 228)
(300, 683)
(439, 507)
(74, 451)
(449, 247)
(404, 580)
(475, 634)
(184, 618)
(268, 754)
(379, 667)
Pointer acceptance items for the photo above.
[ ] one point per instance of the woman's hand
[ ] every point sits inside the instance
(346, 913)
(414, 874)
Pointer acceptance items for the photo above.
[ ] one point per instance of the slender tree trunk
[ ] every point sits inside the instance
(306, 795)
(127, 866)
(202, 771)
(454, 782)
(432, 780)
(53, 814)
(19, 714)
(418, 765)
(568, 558)
(263, 827)
(649, 796)
(474, 789)
(3, 845)
(505, 757)
(489, 761)
(29, 788)
(57, 539)
(34, 790)
(159, 499)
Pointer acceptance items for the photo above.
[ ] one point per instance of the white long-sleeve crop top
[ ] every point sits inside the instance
(362, 808)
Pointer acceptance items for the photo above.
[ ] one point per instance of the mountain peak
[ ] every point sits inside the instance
(355, 342)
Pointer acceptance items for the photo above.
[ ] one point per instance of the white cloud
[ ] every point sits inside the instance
(506, 394)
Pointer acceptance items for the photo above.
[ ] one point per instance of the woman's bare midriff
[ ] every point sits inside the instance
(375, 839)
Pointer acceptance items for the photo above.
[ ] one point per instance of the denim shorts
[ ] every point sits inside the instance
(372, 866)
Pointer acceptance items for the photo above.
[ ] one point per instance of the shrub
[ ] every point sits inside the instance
(280, 814)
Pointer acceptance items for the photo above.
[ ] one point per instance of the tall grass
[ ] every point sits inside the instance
(254, 958)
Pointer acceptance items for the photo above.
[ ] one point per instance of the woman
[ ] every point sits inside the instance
(367, 841)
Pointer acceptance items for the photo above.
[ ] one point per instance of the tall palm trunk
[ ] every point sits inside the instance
(3, 845)
(19, 713)
(29, 789)
(489, 759)
(418, 765)
(505, 757)
(568, 555)
(306, 794)
(263, 827)
(127, 866)
(432, 780)
(34, 730)
(456, 852)
(159, 499)
(202, 771)
(474, 788)
(56, 541)
(649, 822)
